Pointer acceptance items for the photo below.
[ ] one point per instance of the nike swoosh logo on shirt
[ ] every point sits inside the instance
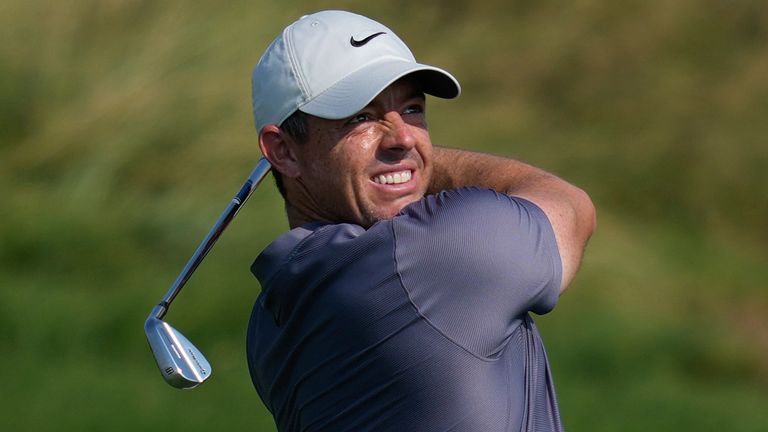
(358, 44)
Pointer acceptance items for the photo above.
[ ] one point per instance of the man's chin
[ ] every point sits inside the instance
(392, 210)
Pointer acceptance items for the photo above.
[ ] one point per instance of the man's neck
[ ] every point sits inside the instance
(296, 218)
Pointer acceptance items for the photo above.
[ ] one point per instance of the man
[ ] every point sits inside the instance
(400, 299)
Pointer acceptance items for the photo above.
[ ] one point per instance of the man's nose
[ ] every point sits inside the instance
(399, 134)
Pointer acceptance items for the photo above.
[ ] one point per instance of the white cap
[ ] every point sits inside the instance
(331, 64)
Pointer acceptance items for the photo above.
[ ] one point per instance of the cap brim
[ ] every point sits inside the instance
(358, 89)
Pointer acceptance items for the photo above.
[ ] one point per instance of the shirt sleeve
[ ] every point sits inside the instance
(473, 262)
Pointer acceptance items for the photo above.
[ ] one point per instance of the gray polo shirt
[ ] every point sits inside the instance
(419, 323)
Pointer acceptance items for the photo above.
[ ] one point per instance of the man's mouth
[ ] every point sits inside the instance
(393, 178)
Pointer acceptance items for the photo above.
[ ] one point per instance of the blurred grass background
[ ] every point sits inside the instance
(125, 128)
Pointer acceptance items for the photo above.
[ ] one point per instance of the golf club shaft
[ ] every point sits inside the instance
(258, 174)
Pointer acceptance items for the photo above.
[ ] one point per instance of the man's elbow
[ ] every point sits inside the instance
(586, 214)
(579, 223)
(583, 222)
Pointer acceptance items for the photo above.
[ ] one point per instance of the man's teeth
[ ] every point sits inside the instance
(393, 178)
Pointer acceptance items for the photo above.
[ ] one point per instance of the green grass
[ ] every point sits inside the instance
(125, 127)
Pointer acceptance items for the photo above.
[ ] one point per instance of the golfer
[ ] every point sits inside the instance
(400, 299)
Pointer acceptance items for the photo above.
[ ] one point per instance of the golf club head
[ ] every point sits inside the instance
(181, 363)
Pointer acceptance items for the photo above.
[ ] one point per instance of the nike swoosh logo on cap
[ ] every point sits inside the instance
(358, 44)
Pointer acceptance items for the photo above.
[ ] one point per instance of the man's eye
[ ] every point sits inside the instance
(359, 118)
(414, 109)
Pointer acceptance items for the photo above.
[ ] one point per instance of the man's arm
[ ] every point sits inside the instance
(569, 209)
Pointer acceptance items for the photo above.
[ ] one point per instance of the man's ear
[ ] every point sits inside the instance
(278, 148)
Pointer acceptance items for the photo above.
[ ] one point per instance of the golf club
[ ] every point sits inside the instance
(180, 362)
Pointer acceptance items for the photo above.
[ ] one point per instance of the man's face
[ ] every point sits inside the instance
(367, 167)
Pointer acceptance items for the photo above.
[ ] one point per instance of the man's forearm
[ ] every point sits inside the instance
(458, 168)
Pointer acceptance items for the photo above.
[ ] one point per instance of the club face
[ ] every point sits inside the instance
(181, 363)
